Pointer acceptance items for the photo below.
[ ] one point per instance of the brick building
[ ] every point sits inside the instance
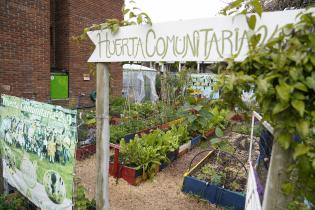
(36, 40)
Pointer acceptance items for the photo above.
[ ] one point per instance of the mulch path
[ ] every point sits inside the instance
(162, 192)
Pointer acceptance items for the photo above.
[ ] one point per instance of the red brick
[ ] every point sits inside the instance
(36, 35)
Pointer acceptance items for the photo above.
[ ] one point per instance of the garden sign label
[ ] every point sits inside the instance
(38, 144)
(211, 40)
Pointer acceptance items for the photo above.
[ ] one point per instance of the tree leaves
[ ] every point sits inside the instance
(283, 91)
(299, 106)
(284, 140)
(303, 127)
(218, 132)
(251, 21)
(279, 107)
(299, 150)
(257, 6)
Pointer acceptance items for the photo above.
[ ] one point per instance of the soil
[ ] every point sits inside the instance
(225, 170)
(162, 192)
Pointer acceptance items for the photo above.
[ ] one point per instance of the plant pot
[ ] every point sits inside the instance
(145, 131)
(237, 118)
(195, 140)
(132, 175)
(115, 120)
(164, 126)
(184, 148)
(209, 133)
(85, 151)
(129, 137)
(171, 156)
(175, 122)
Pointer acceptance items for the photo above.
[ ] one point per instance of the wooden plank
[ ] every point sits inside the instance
(102, 136)
(277, 173)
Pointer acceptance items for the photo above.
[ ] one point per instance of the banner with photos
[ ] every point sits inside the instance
(38, 143)
(202, 84)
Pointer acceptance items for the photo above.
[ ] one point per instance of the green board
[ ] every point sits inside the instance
(59, 86)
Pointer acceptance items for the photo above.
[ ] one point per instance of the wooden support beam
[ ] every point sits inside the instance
(277, 174)
(102, 136)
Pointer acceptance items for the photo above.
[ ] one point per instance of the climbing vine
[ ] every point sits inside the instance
(132, 16)
(281, 74)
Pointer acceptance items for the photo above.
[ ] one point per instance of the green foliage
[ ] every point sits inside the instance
(200, 116)
(281, 73)
(175, 86)
(117, 105)
(133, 16)
(209, 173)
(148, 151)
(13, 202)
(82, 202)
(196, 116)
(182, 132)
(219, 118)
(117, 132)
(245, 128)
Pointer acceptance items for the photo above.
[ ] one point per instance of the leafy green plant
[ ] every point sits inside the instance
(182, 132)
(117, 132)
(82, 202)
(117, 105)
(220, 143)
(209, 173)
(13, 201)
(281, 74)
(148, 151)
(196, 116)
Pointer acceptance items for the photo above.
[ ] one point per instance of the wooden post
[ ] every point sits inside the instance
(102, 136)
(279, 163)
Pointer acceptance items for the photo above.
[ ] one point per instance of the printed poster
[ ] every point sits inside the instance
(38, 143)
(203, 85)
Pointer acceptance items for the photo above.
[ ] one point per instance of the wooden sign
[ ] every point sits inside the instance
(212, 40)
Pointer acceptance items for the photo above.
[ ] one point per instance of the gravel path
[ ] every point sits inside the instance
(163, 192)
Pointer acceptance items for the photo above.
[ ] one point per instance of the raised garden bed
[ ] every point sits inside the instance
(89, 149)
(214, 183)
(133, 175)
(85, 151)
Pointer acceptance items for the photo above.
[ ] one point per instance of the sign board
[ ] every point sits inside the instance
(252, 196)
(203, 85)
(210, 40)
(38, 144)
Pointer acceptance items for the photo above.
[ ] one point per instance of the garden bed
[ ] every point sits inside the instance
(87, 150)
(197, 184)
(134, 175)
(220, 177)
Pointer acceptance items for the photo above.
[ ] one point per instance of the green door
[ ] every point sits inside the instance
(59, 86)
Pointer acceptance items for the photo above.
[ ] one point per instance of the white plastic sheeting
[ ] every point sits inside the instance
(139, 83)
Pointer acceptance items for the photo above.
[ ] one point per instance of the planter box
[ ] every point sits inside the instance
(210, 192)
(171, 156)
(129, 137)
(132, 175)
(195, 141)
(176, 122)
(209, 133)
(214, 194)
(85, 151)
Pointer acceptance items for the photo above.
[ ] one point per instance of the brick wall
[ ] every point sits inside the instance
(78, 15)
(35, 35)
(24, 48)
